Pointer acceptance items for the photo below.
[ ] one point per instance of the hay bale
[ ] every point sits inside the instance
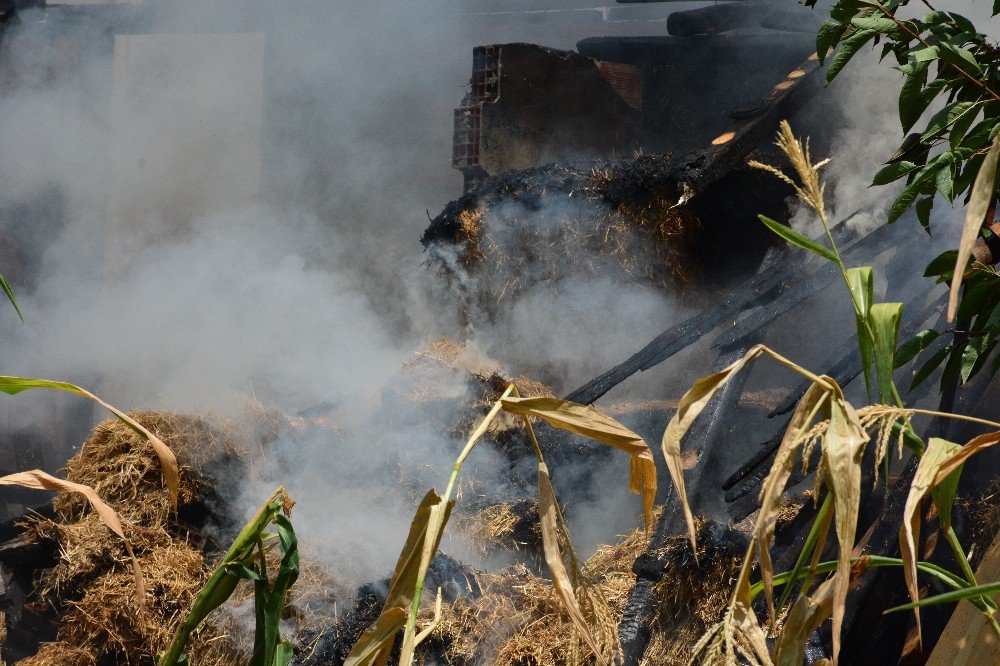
(510, 244)
(121, 466)
(107, 620)
(92, 583)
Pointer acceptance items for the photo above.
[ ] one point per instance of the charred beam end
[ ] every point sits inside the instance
(762, 288)
(690, 175)
(713, 19)
(731, 148)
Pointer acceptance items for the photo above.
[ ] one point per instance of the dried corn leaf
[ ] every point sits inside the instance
(547, 511)
(435, 528)
(587, 421)
(808, 613)
(370, 646)
(842, 451)
(375, 644)
(938, 450)
(958, 458)
(36, 479)
(691, 405)
(812, 402)
(975, 213)
(738, 638)
(168, 462)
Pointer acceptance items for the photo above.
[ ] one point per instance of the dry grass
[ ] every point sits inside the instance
(430, 376)
(121, 466)
(107, 621)
(92, 582)
(520, 620)
(692, 596)
(509, 526)
(61, 653)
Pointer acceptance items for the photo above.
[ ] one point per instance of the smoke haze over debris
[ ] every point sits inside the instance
(310, 293)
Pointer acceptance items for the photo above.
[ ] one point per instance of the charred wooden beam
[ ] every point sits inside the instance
(760, 290)
(714, 18)
(882, 239)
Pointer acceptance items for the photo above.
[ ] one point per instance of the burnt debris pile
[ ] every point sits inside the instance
(624, 161)
(649, 199)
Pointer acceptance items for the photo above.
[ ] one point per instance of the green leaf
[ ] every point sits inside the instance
(978, 136)
(942, 265)
(848, 48)
(284, 653)
(923, 209)
(10, 296)
(980, 296)
(903, 202)
(919, 342)
(796, 238)
(829, 34)
(860, 282)
(876, 24)
(894, 171)
(960, 127)
(953, 367)
(970, 354)
(945, 182)
(961, 58)
(976, 591)
(963, 23)
(15, 385)
(885, 318)
(926, 55)
(946, 117)
(929, 367)
(912, 103)
(969, 172)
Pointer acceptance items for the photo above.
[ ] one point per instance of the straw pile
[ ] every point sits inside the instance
(93, 586)
(510, 247)
(692, 594)
(93, 583)
(429, 381)
(518, 619)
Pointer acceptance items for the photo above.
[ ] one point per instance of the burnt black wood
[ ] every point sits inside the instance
(762, 289)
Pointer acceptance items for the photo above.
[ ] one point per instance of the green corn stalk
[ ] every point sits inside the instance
(245, 561)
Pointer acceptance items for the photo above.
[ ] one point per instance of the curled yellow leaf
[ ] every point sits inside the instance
(548, 513)
(587, 421)
(924, 479)
(36, 479)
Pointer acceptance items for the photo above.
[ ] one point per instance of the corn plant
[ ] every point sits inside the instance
(824, 418)
(402, 603)
(246, 559)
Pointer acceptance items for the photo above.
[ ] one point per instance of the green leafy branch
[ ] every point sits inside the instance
(945, 60)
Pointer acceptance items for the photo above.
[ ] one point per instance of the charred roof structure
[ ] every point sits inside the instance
(629, 142)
